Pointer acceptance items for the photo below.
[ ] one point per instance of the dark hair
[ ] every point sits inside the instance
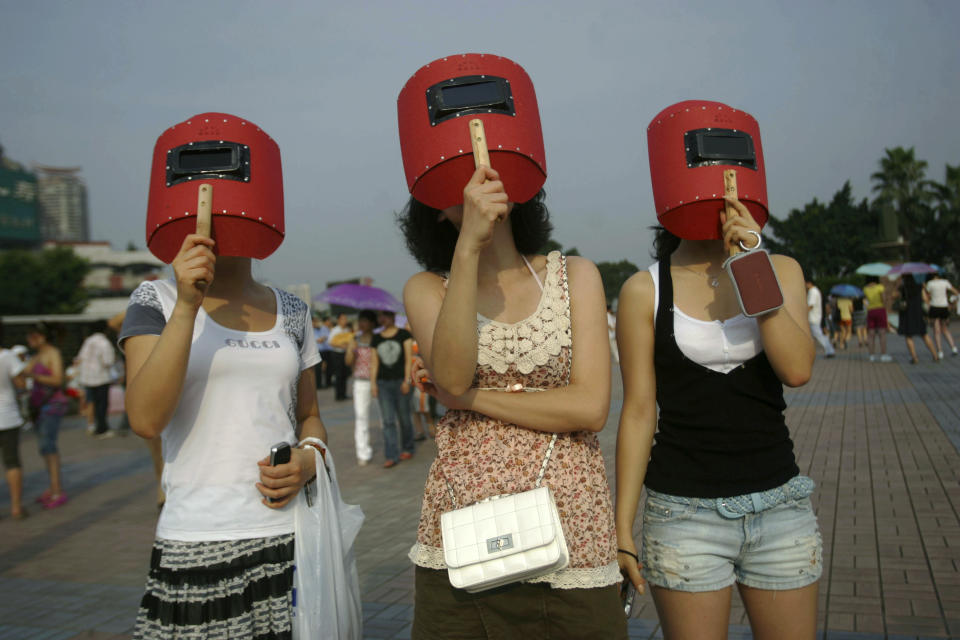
(664, 242)
(369, 315)
(431, 242)
(910, 286)
(42, 329)
(873, 279)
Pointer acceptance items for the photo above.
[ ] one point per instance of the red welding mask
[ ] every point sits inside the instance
(691, 144)
(433, 110)
(241, 162)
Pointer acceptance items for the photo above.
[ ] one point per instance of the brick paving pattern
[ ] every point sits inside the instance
(881, 440)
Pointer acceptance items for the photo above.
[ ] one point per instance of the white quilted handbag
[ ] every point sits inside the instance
(505, 538)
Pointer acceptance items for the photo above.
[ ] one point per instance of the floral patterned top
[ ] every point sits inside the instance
(482, 457)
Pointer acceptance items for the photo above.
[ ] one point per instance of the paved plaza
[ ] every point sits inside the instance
(881, 440)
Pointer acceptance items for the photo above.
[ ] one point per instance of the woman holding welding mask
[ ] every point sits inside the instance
(515, 345)
(725, 502)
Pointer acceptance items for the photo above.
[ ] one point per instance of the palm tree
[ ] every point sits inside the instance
(903, 190)
(947, 197)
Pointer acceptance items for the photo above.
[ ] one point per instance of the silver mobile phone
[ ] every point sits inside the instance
(628, 593)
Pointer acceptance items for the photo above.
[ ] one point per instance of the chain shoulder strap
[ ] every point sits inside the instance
(543, 466)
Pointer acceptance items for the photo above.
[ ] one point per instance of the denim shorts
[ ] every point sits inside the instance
(48, 429)
(699, 544)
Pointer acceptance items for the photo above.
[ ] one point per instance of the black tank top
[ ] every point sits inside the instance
(719, 434)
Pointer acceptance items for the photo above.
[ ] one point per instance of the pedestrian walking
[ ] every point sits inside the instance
(340, 337)
(392, 376)
(48, 404)
(360, 357)
(815, 318)
(221, 368)
(875, 297)
(845, 307)
(725, 501)
(94, 362)
(516, 347)
(612, 334)
(860, 322)
(10, 423)
(910, 297)
(937, 288)
(321, 333)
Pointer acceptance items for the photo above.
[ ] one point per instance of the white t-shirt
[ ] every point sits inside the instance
(10, 367)
(94, 361)
(718, 345)
(815, 300)
(938, 292)
(239, 398)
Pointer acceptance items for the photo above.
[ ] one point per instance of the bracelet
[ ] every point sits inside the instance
(316, 443)
(629, 553)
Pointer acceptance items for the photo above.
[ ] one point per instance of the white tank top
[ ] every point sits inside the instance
(719, 345)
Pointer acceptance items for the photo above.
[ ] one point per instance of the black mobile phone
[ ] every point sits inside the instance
(279, 454)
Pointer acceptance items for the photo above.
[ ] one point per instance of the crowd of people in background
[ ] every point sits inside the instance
(906, 306)
(378, 356)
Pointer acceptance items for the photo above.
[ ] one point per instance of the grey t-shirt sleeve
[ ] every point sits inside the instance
(144, 314)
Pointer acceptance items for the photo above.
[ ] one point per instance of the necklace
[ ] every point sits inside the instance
(713, 281)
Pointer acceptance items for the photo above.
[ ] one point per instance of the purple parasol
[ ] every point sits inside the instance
(360, 296)
(911, 267)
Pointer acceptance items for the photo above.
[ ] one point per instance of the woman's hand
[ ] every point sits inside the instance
(374, 390)
(737, 226)
(630, 568)
(193, 264)
(485, 203)
(283, 481)
(424, 382)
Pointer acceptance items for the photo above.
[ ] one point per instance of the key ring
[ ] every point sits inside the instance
(759, 241)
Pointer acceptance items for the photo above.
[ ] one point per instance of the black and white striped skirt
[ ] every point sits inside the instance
(234, 589)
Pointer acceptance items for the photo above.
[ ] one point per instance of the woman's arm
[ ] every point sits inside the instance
(585, 402)
(157, 365)
(284, 481)
(445, 324)
(785, 333)
(638, 418)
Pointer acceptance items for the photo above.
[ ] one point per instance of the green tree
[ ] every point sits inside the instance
(830, 239)
(39, 282)
(947, 211)
(614, 274)
(904, 192)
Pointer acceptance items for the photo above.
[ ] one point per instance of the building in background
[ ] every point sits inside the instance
(19, 216)
(113, 274)
(62, 196)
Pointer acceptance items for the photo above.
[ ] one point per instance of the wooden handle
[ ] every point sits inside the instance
(479, 140)
(730, 189)
(204, 209)
(204, 217)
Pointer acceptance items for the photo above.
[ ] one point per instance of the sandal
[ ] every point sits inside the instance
(53, 503)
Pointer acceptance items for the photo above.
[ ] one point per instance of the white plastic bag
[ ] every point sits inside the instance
(326, 598)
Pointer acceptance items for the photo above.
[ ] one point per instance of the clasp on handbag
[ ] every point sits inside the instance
(499, 543)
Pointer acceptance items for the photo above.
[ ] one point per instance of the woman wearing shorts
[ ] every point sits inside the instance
(938, 288)
(876, 302)
(725, 500)
(48, 404)
(10, 423)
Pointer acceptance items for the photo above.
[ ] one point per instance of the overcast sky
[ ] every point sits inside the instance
(831, 83)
